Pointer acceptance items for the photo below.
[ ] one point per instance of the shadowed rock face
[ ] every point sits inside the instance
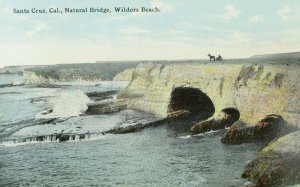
(225, 119)
(98, 96)
(276, 164)
(192, 100)
(269, 128)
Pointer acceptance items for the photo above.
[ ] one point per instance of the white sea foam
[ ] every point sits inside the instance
(206, 133)
(30, 141)
(200, 134)
(18, 83)
(16, 143)
(185, 137)
(211, 132)
(67, 103)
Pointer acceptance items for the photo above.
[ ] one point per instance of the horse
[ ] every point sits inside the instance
(219, 58)
(211, 57)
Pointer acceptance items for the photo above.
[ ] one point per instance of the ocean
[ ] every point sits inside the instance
(30, 155)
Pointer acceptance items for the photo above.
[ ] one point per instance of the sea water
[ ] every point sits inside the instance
(153, 157)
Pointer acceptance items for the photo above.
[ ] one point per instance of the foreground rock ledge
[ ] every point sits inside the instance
(276, 164)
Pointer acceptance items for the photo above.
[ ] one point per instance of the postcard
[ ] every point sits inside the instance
(149, 93)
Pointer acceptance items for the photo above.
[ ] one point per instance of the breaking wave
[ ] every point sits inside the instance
(66, 104)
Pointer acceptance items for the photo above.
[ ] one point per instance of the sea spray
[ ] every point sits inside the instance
(66, 104)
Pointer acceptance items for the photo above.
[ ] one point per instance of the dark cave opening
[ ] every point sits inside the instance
(192, 100)
(232, 114)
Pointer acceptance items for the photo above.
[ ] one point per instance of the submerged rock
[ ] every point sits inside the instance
(225, 119)
(137, 127)
(125, 130)
(269, 128)
(53, 120)
(276, 164)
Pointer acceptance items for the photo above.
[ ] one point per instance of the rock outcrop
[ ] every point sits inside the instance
(98, 96)
(276, 164)
(75, 72)
(269, 128)
(125, 75)
(179, 120)
(30, 77)
(225, 119)
(136, 127)
(106, 107)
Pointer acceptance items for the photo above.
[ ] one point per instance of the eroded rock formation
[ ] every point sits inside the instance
(225, 119)
(106, 107)
(267, 129)
(98, 96)
(255, 89)
(276, 164)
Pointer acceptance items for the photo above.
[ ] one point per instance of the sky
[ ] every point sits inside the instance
(181, 30)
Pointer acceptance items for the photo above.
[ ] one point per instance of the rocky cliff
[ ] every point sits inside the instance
(74, 72)
(125, 75)
(289, 56)
(15, 69)
(254, 87)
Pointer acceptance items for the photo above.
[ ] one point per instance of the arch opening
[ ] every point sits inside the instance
(232, 115)
(192, 100)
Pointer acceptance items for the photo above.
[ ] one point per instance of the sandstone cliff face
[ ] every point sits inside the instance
(125, 75)
(254, 89)
(76, 72)
(50, 77)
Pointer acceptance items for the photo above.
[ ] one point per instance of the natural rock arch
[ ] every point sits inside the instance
(192, 100)
(232, 115)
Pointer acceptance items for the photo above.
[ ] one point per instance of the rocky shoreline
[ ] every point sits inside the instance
(183, 103)
(276, 164)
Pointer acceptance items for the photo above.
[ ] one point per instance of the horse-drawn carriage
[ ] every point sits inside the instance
(211, 57)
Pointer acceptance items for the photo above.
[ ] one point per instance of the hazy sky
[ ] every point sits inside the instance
(236, 28)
